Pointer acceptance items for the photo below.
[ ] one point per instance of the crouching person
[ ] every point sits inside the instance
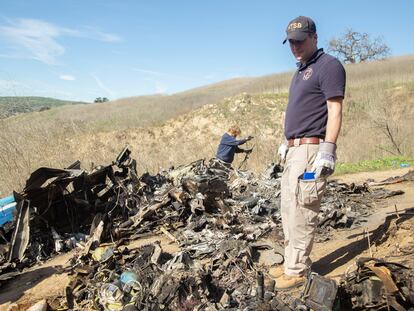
(229, 145)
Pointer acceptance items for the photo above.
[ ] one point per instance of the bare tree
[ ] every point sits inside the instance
(384, 114)
(354, 47)
(391, 130)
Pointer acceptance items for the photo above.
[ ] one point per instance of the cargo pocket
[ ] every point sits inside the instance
(309, 192)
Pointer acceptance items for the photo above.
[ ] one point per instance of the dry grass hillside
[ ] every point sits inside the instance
(176, 129)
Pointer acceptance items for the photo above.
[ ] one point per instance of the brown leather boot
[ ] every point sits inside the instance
(276, 272)
(286, 282)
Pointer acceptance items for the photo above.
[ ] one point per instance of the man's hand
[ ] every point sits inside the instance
(282, 151)
(247, 151)
(249, 138)
(324, 164)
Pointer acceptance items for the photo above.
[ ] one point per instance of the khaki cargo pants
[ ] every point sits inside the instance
(300, 202)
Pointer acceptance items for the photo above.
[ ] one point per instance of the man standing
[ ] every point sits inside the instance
(229, 145)
(312, 124)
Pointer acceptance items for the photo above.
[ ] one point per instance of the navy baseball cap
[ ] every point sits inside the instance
(299, 28)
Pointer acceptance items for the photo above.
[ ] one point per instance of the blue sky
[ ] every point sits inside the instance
(81, 50)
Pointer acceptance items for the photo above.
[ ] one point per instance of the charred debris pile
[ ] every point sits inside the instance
(220, 219)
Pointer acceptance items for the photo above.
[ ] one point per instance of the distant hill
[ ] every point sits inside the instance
(13, 105)
(165, 130)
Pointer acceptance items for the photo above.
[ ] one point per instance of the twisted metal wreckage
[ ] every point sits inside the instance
(219, 224)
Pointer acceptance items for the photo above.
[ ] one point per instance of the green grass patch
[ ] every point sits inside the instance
(373, 165)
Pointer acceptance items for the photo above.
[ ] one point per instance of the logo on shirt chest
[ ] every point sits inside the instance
(307, 73)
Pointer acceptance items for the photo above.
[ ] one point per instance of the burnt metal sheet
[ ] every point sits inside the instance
(21, 234)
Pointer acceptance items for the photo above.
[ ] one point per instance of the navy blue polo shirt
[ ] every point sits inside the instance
(321, 78)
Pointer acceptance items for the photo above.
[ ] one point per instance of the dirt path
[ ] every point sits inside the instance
(335, 256)
(330, 258)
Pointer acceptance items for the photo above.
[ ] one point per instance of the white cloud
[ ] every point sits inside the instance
(151, 75)
(40, 39)
(67, 77)
(160, 88)
(102, 86)
(37, 37)
(92, 33)
(105, 37)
